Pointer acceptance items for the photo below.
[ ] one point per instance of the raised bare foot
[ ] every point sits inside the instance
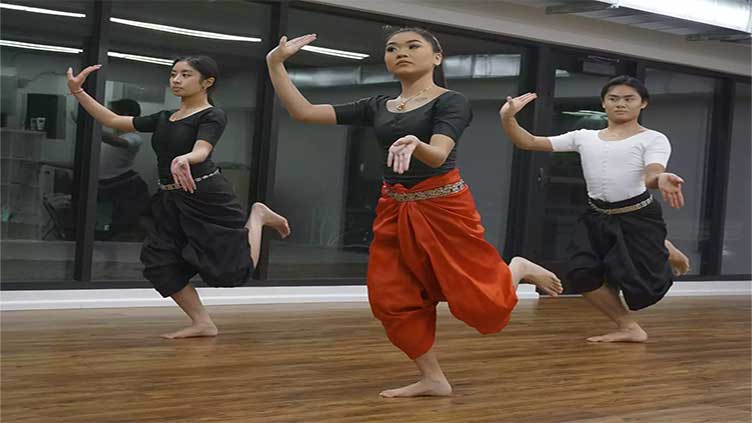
(679, 261)
(269, 218)
(193, 331)
(424, 387)
(538, 276)
(632, 333)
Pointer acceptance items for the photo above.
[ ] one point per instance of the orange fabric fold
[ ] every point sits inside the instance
(433, 250)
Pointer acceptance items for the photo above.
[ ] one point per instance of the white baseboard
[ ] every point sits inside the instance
(710, 288)
(146, 297)
(113, 298)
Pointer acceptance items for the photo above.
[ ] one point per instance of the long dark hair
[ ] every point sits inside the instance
(206, 66)
(439, 78)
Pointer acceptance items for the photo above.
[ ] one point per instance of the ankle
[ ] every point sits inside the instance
(629, 325)
(518, 268)
(436, 377)
(203, 322)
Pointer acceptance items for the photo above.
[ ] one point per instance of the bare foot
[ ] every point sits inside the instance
(632, 333)
(537, 275)
(269, 218)
(206, 329)
(679, 261)
(424, 387)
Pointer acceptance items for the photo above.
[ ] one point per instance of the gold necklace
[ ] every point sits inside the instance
(401, 106)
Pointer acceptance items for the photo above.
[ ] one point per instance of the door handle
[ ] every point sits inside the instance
(542, 179)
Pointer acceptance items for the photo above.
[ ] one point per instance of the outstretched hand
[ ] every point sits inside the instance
(670, 186)
(400, 153)
(288, 48)
(514, 105)
(76, 82)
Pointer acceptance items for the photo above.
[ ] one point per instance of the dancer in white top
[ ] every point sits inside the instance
(620, 241)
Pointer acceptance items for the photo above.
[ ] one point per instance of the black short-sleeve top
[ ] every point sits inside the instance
(175, 138)
(448, 114)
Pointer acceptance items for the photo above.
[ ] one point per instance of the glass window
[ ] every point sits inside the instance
(680, 107)
(737, 253)
(577, 105)
(328, 178)
(485, 72)
(234, 34)
(38, 136)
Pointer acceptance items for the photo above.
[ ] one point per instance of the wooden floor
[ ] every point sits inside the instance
(327, 363)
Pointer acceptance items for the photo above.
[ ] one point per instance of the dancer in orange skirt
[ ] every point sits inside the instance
(428, 241)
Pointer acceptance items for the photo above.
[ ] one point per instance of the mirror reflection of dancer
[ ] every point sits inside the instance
(621, 238)
(120, 186)
(428, 241)
(197, 224)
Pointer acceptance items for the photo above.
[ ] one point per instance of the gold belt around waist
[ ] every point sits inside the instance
(170, 187)
(621, 210)
(443, 191)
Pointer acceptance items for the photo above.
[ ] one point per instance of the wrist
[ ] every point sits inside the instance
(78, 91)
(195, 157)
(273, 61)
(659, 178)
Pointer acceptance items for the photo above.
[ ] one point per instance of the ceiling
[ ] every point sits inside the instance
(693, 31)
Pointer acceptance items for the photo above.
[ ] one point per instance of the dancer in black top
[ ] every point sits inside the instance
(428, 243)
(195, 225)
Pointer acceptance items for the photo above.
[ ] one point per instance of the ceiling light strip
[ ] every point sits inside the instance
(40, 10)
(185, 31)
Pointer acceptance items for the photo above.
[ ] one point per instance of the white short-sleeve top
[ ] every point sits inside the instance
(615, 170)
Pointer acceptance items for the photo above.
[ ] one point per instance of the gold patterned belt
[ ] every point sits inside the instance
(429, 194)
(170, 187)
(621, 210)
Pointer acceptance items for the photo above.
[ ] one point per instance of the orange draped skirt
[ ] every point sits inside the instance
(433, 250)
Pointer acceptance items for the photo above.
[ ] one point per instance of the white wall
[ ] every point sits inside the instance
(568, 30)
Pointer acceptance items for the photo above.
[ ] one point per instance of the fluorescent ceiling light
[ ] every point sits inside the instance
(181, 31)
(186, 31)
(333, 52)
(732, 14)
(137, 58)
(44, 47)
(70, 50)
(40, 10)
